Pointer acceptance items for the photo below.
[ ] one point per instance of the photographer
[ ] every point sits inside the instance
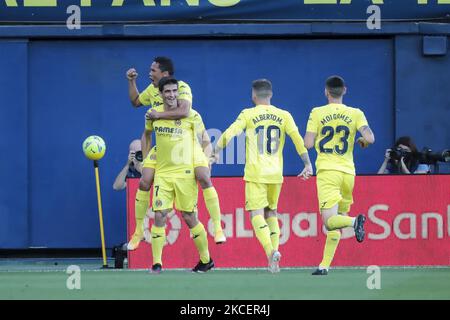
(133, 167)
(403, 159)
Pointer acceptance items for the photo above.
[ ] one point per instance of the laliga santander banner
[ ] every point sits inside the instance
(408, 223)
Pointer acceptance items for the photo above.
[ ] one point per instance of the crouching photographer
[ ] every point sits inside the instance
(133, 167)
(403, 159)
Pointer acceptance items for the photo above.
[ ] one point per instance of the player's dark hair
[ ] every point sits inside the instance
(165, 81)
(165, 64)
(262, 88)
(335, 86)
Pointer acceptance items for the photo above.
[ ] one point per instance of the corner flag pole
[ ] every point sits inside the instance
(100, 213)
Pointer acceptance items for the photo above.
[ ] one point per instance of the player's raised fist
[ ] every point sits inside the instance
(132, 74)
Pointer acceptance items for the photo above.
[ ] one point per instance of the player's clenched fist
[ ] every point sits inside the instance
(132, 74)
(362, 142)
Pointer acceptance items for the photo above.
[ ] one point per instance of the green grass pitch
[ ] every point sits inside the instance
(222, 284)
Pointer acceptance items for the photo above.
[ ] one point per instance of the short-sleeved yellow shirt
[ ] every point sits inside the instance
(335, 126)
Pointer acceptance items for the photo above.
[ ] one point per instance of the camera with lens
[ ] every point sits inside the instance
(398, 153)
(138, 156)
(427, 156)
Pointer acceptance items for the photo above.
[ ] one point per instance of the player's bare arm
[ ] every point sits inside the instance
(133, 92)
(236, 128)
(310, 138)
(174, 114)
(367, 137)
(221, 143)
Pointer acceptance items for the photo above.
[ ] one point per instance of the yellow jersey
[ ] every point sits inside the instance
(151, 96)
(175, 144)
(265, 127)
(335, 126)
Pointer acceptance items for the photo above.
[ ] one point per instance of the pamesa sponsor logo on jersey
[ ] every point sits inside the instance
(173, 131)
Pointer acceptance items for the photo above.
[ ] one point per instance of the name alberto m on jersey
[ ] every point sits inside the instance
(268, 116)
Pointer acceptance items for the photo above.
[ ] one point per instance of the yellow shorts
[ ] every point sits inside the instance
(166, 190)
(261, 195)
(200, 159)
(335, 187)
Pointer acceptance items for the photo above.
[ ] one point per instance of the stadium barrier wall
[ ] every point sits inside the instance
(408, 225)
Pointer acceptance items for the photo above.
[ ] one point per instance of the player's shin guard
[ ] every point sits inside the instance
(274, 228)
(331, 244)
(201, 241)
(262, 232)
(158, 241)
(141, 206)
(339, 222)
(212, 204)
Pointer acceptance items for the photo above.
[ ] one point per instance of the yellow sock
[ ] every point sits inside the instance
(158, 240)
(331, 244)
(201, 242)
(140, 209)
(262, 232)
(274, 232)
(212, 204)
(339, 222)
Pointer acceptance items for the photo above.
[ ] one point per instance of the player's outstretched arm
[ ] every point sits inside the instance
(133, 91)
(223, 141)
(220, 144)
(235, 129)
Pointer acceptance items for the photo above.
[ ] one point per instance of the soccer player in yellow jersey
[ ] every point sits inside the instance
(163, 67)
(332, 130)
(174, 176)
(266, 127)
